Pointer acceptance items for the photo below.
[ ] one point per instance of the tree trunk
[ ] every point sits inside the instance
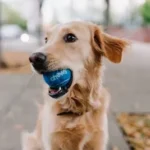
(2, 63)
(107, 15)
(40, 21)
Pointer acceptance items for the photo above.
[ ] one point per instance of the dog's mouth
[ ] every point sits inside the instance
(54, 91)
(57, 92)
(59, 82)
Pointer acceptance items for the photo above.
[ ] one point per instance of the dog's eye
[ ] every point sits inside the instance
(69, 38)
(46, 39)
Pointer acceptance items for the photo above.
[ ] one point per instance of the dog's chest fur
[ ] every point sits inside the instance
(71, 132)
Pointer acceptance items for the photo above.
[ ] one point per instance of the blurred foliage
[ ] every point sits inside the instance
(145, 12)
(11, 16)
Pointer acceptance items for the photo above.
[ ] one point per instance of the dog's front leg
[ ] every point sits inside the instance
(98, 142)
(30, 142)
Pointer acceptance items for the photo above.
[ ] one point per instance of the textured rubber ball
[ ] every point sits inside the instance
(58, 78)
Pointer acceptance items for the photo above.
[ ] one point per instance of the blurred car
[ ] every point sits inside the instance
(10, 31)
(14, 32)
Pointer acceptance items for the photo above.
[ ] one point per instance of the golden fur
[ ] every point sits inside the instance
(86, 128)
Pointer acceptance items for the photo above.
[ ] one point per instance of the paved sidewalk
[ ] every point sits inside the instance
(22, 113)
(128, 84)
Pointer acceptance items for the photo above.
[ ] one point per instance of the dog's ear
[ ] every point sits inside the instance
(108, 46)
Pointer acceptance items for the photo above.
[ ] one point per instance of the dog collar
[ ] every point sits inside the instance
(68, 113)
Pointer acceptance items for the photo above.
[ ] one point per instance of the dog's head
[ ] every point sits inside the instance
(78, 46)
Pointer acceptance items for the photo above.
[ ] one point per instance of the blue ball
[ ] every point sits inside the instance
(58, 78)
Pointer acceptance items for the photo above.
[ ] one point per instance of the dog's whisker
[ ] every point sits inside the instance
(52, 65)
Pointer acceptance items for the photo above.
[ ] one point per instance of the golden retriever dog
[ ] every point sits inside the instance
(78, 119)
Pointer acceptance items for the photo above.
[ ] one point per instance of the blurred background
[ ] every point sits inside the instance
(22, 22)
(22, 27)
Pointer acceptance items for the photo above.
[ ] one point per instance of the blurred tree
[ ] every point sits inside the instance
(13, 17)
(145, 12)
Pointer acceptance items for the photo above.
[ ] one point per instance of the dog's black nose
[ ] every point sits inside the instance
(37, 58)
